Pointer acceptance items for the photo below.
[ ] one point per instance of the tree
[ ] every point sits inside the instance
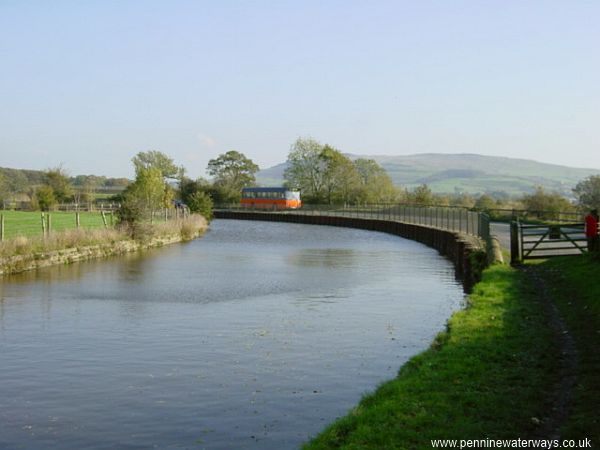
(460, 199)
(89, 188)
(3, 190)
(231, 172)
(341, 180)
(422, 195)
(588, 192)
(324, 174)
(321, 172)
(16, 183)
(201, 203)
(188, 187)
(546, 205)
(486, 202)
(117, 182)
(81, 180)
(306, 169)
(58, 180)
(145, 195)
(375, 184)
(154, 159)
(86, 187)
(44, 198)
(196, 195)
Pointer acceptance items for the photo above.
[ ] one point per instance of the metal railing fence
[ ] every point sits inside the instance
(457, 219)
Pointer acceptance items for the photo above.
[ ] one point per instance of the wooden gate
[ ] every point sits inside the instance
(545, 241)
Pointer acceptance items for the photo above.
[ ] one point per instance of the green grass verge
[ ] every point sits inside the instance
(486, 377)
(575, 283)
(23, 223)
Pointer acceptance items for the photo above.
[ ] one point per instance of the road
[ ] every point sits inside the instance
(502, 231)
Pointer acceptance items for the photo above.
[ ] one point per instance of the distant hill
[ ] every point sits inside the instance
(469, 173)
(28, 179)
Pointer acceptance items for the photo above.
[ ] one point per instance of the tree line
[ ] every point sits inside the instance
(20, 184)
(322, 173)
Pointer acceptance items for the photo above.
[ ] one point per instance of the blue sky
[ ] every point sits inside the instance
(90, 83)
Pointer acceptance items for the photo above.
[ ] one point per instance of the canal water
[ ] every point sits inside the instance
(254, 337)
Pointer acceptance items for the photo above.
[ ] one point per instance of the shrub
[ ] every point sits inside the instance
(129, 212)
(201, 203)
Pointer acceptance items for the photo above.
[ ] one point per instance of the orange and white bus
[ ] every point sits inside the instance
(270, 198)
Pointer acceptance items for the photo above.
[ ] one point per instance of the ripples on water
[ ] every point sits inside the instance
(255, 336)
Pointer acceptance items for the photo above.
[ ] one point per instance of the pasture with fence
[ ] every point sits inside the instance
(37, 224)
(32, 224)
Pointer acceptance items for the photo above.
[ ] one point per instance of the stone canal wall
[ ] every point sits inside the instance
(468, 253)
(23, 263)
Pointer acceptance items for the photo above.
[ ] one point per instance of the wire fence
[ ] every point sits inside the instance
(89, 207)
(35, 223)
(457, 219)
(97, 205)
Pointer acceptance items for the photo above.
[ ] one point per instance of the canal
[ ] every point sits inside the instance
(255, 336)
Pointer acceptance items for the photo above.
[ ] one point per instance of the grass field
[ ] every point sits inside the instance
(22, 223)
(494, 372)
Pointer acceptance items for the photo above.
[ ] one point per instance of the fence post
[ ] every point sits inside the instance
(49, 227)
(43, 217)
(1, 227)
(77, 220)
(467, 221)
(104, 218)
(515, 257)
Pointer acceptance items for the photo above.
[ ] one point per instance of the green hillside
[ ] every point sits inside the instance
(469, 173)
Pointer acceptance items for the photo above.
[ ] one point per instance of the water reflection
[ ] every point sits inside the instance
(325, 257)
(252, 337)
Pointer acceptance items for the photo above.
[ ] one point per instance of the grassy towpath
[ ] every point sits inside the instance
(574, 286)
(502, 370)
